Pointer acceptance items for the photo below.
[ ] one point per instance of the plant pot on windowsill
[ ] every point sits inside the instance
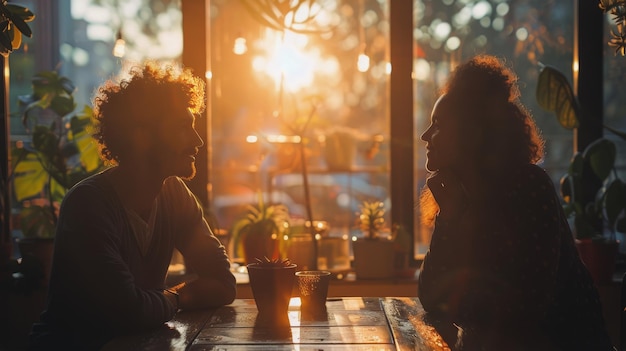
(259, 231)
(374, 255)
(374, 258)
(599, 258)
(272, 283)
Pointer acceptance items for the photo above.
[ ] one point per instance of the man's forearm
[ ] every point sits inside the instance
(206, 292)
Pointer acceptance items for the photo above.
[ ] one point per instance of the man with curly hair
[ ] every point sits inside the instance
(502, 271)
(117, 230)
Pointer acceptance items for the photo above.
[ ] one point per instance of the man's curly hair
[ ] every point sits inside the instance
(140, 100)
(486, 94)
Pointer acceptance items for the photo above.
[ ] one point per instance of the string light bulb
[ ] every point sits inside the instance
(363, 62)
(119, 49)
(240, 47)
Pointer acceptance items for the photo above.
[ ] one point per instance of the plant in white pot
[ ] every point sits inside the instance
(374, 254)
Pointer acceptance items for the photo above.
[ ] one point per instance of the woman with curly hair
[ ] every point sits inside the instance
(502, 271)
(117, 230)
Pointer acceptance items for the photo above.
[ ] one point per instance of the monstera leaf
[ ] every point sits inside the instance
(555, 94)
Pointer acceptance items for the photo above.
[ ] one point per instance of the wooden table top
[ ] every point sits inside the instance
(349, 323)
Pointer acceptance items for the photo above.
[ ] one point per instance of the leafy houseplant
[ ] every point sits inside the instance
(608, 206)
(259, 232)
(59, 153)
(272, 282)
(371, 222)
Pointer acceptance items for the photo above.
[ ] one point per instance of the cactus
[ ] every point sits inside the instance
(371, 219)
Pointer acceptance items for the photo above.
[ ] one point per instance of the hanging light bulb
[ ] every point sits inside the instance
(241, 46)
(119, 49)
(363, 62)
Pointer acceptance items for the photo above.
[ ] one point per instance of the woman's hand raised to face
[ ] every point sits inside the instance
(450, 194)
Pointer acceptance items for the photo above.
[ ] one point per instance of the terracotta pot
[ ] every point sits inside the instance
(599, 257)
(373, 259)
(272, 288)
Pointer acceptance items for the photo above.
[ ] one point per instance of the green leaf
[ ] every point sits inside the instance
(555, 94)
(583, 229)
(23, 12)
(62, 105)
(17, 20)
(29, 178)
(617, 132)
(576, 165)
(5, 39)
(614, 201)
(600, 155)
(37, 221)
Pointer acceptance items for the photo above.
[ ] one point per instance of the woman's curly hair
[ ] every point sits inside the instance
(486, 94)
(139, 101)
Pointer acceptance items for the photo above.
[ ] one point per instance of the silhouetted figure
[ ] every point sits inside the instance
(117, 229)
(502, 264)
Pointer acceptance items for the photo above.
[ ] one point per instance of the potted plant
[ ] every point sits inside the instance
(57, 153)
(607, 209)
(272, 283)
(371, 222)
(259, 232)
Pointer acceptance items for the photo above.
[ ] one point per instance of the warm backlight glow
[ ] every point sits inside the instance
(290, 60)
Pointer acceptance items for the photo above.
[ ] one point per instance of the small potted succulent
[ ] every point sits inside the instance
(259, 232)
(371, 222)
(272, 283)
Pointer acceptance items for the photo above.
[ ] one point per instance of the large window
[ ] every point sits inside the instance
(261, 100)
(309, 81)
(323, 82)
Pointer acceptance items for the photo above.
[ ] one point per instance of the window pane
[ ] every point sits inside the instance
(325, 84)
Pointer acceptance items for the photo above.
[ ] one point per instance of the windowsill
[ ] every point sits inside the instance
(347, 285)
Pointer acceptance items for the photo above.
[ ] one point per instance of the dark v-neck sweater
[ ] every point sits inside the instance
(101, 284)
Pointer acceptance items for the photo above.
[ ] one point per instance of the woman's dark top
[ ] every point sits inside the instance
(510, 276)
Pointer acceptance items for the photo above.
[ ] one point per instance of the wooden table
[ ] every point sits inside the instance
(349, 323)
